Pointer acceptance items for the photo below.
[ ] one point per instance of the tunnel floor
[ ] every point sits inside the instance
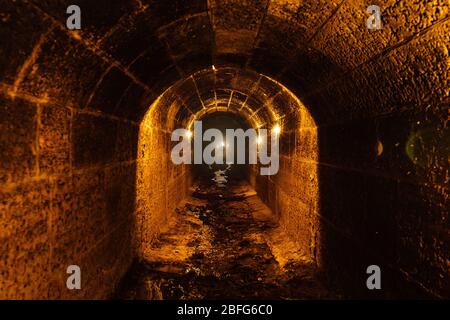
(223, 243)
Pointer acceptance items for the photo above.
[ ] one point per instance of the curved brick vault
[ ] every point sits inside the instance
(259, 101)
(364, 174)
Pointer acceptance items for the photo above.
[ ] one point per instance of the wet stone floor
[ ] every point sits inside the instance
(222, 243)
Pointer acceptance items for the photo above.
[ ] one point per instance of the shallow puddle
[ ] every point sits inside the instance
(223, 243)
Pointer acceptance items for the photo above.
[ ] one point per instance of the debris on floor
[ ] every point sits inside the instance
(223, 244)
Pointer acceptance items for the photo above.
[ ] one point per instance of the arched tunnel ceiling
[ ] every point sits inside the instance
(379, 98)
(146, 46)
(261, 101)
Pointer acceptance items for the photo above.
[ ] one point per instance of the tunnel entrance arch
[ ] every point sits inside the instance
(222, 121)
(260, 101)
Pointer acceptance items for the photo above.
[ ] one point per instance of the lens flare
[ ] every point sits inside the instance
(276, 129)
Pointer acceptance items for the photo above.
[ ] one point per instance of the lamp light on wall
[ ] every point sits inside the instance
(276, 129)
(259, 140)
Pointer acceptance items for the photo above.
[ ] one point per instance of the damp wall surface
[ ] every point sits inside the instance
(71, 110)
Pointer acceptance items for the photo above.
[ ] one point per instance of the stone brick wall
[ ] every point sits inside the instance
(71, 105)
(293, 193)
(161, 185)
(67, 197)
(380, 101)
(68, 166)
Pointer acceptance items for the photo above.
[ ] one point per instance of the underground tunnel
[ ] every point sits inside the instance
(86, 124)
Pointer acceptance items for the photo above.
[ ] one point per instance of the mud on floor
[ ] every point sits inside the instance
(222, 243)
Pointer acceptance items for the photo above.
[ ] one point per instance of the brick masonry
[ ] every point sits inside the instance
(72, 133)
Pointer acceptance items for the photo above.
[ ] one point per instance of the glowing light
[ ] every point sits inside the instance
(276, 129)
(379, 148)
(259, 140)
(222, 144)
(214, 68)
(189, 134)
(76, 35)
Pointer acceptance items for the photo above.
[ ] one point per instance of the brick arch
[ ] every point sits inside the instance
(71, 105)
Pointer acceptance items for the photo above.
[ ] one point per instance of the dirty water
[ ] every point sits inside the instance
(222, 243)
